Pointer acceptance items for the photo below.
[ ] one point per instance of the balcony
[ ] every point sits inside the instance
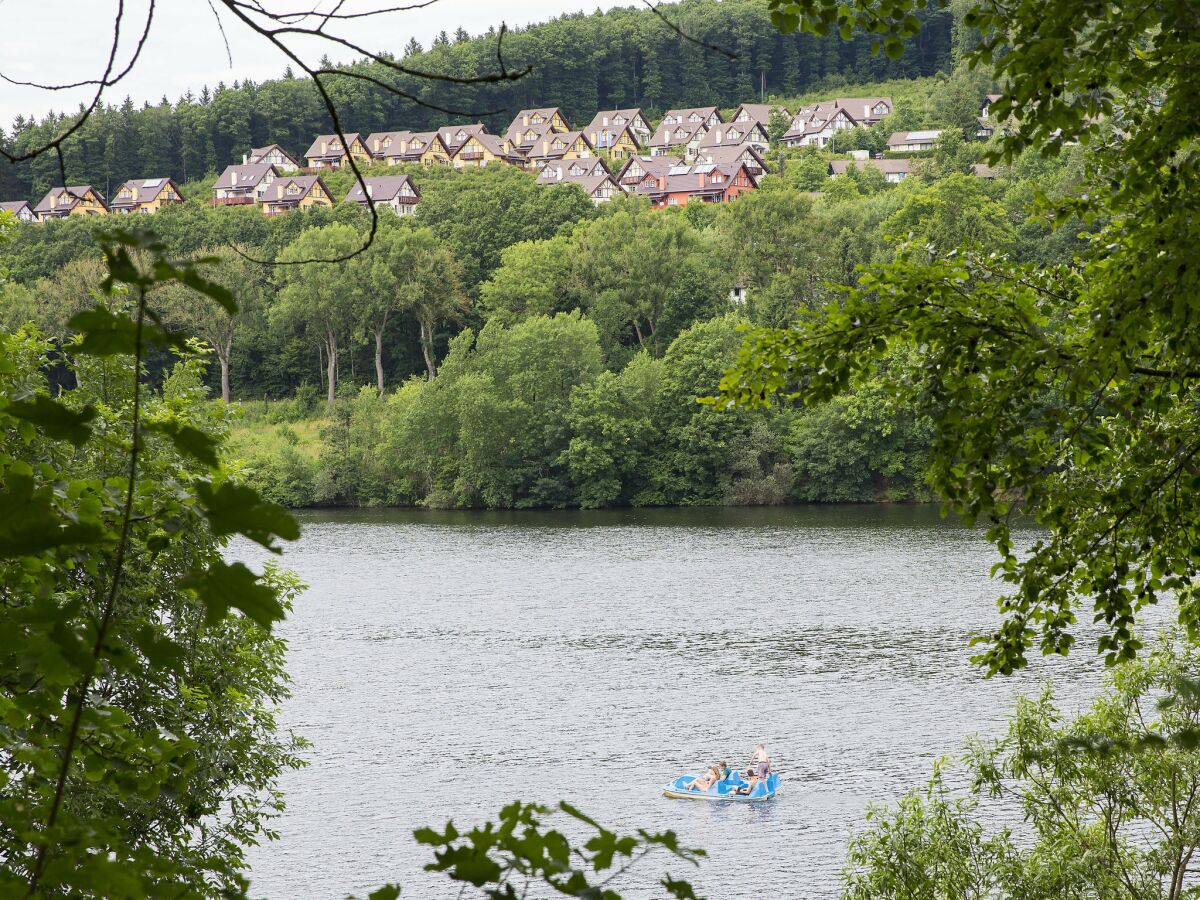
(231, 201)
(471, 154)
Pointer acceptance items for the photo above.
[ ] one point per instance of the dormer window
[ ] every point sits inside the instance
(744, 117)
(558, 145)
(417, 145)
(538, 120)
(293, 189)
(618, 120)
(387, 142)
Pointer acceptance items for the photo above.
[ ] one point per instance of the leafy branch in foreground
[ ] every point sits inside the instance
(503, 860)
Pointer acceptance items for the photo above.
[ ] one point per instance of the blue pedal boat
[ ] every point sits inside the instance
(724, 791)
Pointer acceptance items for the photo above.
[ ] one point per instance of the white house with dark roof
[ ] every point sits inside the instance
(243, 184)
(913, 141)
(731, 134)
(275, 155)
(19, 208)
(394, 191)
(894, 170)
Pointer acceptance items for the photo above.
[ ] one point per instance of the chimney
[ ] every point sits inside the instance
(605, 122)
(545, 148)
(245, 158)
(558, 174)
(866, 110)
(370, 192)
(525, 119)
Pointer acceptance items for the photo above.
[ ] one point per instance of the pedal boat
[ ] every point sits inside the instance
(723, 791)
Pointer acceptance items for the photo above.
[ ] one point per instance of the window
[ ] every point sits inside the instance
(619, 120)
(744, 117)
(695, 117)
(293, 189)
(538, 120)
(672, 201)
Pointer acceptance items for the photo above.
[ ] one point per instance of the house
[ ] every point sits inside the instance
(482, 149)
(696, 184)
(288, 192)
(454, 136)
(395, 147)
(395, 191)
(19, 208)
(815, 125)
(77, 200)
(600, 186)
(636, 168)
(525, 137)
(866, 110)
(145, 195)
(894, 170)
(985, 108)
(551, 117)
(328, 152)
(620, 131)
(732, 134)
(913, 141)
(757, 113)
(243, 184)
(746, 154)
(558, 170)
(703, 115)
(273, 154)
(677, 134)
(567, 145)
(985, 129)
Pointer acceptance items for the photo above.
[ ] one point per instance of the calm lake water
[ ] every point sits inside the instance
(448, 663)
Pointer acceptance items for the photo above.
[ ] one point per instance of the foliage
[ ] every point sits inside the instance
(1065, 390)
(136, 712)
(1119, 821)
(502, 860)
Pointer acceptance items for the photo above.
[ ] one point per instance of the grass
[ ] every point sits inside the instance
(259, 439)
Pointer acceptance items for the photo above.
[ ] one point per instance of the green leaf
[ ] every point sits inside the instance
(55, 419)
(237, 509)
(222, 586)
(31, 522)
(188, 440)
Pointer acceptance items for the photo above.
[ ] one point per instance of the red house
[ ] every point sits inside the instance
(708, 183)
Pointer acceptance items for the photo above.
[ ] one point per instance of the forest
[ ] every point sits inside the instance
(622, 58)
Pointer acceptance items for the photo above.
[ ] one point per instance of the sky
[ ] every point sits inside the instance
(63, 41)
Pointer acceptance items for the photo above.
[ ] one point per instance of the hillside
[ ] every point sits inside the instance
(625, 57)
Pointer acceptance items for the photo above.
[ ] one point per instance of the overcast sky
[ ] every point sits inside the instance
(62, 41)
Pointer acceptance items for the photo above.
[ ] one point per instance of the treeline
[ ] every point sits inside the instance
(622, 58)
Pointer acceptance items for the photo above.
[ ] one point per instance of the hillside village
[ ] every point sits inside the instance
(694, 155)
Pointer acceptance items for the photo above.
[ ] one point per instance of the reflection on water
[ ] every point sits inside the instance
(446, 663)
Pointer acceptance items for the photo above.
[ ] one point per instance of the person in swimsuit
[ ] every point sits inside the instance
(761, 762)
(751, 783)
(705, 781)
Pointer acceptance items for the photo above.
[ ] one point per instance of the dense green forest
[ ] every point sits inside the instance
(623, 58)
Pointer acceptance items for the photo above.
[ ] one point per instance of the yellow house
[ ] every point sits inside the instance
(547, 119)
(289, 192)
(329, 152)
(482, 149)
(145, 195)
(77, 200)
(621, 143)
(570, 145)
(395, 147)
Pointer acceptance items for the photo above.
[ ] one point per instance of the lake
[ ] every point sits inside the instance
(446, 663)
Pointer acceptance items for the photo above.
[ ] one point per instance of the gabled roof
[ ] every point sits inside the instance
(401, 146)
(257, 153)
(305, 182)
(653, 165)
(383, 188)
(720, 135)
(759, 112)
(695, 180)
(76, 193)
(244, 177)
(704, 112)
(627, 114)
(449, 133)
(590, 183)
(670, 134)
(519, 136)
(862, 107)
(546, 113)
(730, 154)
(314, 152)
(566, 137)
(813, 119)
(591, 166)
(494, 145)
(144, 190)
(15, 206)
(886, 166)
(899, 138)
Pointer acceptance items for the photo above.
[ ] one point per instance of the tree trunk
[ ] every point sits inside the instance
(379, 354)
(427, 347)
(224, 359)
(331, 368)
